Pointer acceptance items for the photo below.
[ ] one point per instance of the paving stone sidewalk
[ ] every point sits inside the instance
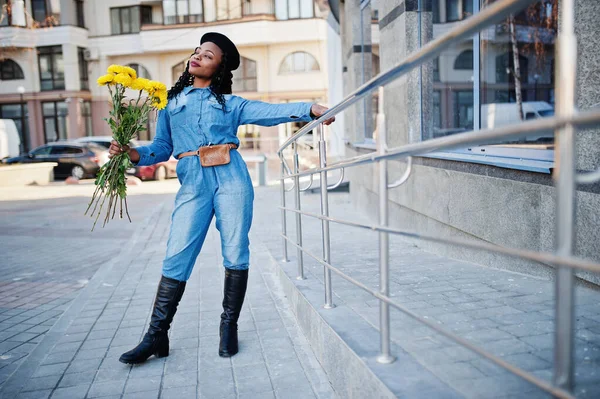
(509, 314)
(78, 356)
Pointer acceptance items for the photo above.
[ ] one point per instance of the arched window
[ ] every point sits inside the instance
(177, 71)
(244, 78)
(464, 61)
(140, 70)
(299, 62)
(10, 70)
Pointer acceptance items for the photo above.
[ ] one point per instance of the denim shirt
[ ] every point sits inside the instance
(194, 118)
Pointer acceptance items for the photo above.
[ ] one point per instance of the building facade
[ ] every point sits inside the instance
(501, 194)
(52, 51)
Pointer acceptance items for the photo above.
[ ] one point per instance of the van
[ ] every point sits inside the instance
(10, 141)
(501, 114)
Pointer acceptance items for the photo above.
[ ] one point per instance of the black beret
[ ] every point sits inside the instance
(226, 45)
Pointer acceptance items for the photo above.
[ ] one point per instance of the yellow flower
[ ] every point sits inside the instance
(123, 79)
(105, 79)
(115, 69)
(130, 71)
(153, 86)
(139, 84)
(159, 100)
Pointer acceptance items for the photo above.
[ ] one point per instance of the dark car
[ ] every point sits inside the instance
(76, 160)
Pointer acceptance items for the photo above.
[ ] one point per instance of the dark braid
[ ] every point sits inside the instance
(220, 84)
(186, 79)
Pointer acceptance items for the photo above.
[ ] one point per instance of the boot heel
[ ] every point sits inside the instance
(162, 352)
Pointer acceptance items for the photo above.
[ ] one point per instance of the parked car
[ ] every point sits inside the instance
(103, 141)
(77, 160)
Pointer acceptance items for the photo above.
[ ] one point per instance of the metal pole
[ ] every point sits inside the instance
(384, 244)
(325, 223)
(298, 216)
(283, 216)
(566, 61)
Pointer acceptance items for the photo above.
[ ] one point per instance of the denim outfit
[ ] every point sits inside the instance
(194, 118)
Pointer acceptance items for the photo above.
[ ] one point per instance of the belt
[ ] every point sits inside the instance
(197, 152)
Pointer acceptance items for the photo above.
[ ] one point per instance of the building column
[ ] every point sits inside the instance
(356, 63)
(587, 30)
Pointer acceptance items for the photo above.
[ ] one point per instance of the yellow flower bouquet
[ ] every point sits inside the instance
(127, 119)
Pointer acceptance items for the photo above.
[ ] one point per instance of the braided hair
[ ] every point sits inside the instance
(220, 84)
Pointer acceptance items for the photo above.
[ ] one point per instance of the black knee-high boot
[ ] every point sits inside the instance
(156, 340)
(236, 282)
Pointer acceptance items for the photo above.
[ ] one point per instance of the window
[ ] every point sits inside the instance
(177, 71)
(18, 113)
(294, 9)
(140, 71)
(45, 12)
(52, 71)
(10, 70)
(125, 20)
(12, 13)
(79, 13)
(513, 80)
(86, 114)
(182, 11)
(55, 120)
(299, 62)
(65, 150)
(464, 60)
(228, 9)
(83, 69)
(41, 151)
(244, 78)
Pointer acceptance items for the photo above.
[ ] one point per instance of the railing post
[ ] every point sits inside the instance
(298, 216)
(566, 62)
(325, 223)
(283, 215)
(384, 244)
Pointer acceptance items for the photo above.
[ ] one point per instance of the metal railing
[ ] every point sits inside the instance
(563, 124)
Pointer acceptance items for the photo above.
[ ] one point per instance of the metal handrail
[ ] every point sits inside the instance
(516, 131)
(564, 124)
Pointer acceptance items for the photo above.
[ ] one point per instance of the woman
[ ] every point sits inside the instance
(202, 115)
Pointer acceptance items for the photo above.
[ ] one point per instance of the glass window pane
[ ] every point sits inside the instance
(235, 9)
(294, 8)
(448, 99)
(135, 19)
(45, 67)
(48, 109)
(59, 67)
(299, 62)
(281, 9)
(182, 11)
(115, 21)
(50, 130)
(126, 20)
(146, 15)
(452, 10)
(3, 12)
(517, 72)
(196, 10)
(39, 10)
(306, 8)
(169, 12)
(11, 111)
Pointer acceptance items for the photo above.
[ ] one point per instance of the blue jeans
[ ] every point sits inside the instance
(224, 191)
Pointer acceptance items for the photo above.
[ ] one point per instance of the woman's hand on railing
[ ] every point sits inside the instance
(317, 110)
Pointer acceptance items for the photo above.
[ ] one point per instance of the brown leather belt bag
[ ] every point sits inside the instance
(212, 155)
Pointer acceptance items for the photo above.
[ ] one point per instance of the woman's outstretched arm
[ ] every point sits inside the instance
(266, 114)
